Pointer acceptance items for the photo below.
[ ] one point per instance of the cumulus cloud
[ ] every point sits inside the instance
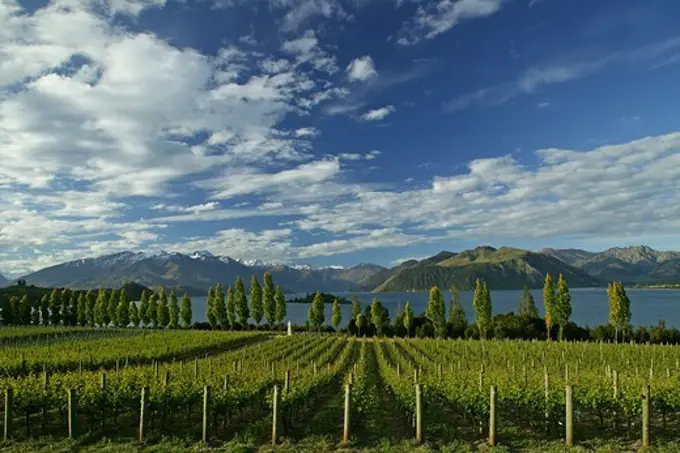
(378, 114)
(361, 69)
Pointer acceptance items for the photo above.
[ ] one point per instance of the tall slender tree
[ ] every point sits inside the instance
(45, 310)
(436, 311)
(65, 304)
(356, 307)
(15, 309)
(268, 299)
(220, 307)
(231, 307)
(163, 313)
(457, 317)
(379, 317)
(100, 311)
(210, 309)
(152, 312)
(359, 321)
(73, 309)
(549, 301)
(281, 307)
(619, 308)
(174, 311)
(241, 303)
(186, 313)
(317, 313)
(408, 318)
(91, 301)
(527, 305)
(144, 309)
(256, 309)
(134, 314)
(82, 310)
(112, 307)
(35, 312)
(123, 310)
(25, 310)
(336, 319)
(562, 305)
(482, 305)
(55, 307)
(8, 317)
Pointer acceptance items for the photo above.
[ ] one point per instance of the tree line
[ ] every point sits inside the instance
(235, 309)
(98, 308)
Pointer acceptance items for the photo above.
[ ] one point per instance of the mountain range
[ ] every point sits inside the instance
(502, 268)
(4, 281)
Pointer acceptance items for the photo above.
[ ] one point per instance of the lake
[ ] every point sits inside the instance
(590, 306)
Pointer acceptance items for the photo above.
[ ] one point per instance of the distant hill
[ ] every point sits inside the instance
(4, 281)
(635, 264)
(132, 290)
(197, 272)
(504, 268)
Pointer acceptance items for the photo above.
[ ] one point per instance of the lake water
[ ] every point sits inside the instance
(590, 306)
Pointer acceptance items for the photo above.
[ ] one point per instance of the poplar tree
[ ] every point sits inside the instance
(210, 311)
(220, 307)
(549, 303)
(231, 307)
(35, 312)
(379, 316)
(134, 314)
(144, 309)
(482, 305)
(256, 310)
(7, 311)
(91, 301)
(55, 307)
(123, 311)
(336, 319)
(100, 311)
(527, 305)
(436, 311)
(174, 311)
(152, 312)
(45, 310)
(281, 307)
(186, 313)
(356, 307)
(359, 321)
(163, 314)
(457, 316)
(25, 310)
(241, 303)
(73, 309)
(268, 301)
(15, 309)
(408, 318)
(82, 310)
(317, 316)
(65, 307)
(562, 305)
(619, 308)
(114, 300)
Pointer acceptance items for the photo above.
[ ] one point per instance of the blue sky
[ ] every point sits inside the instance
(335, 131)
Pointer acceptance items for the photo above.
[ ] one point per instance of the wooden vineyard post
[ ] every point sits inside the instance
(492, 416)
(398, 369)
(569, 419)
(226, 382)
(646, 394)
(7, 426)
(275, 415)
(419, 413)
(143, 413)
(348, 402)
(103, 402)
(71, 413)
(46, 384)
(546, 382)
(196, 368)
(286, 382)
(206, 406)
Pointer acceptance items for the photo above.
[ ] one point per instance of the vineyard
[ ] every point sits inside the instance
(318, 392)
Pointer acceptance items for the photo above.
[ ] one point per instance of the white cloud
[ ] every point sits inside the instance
(195, 209)
(306, 49)
(378, 114)
(306, 132)
(439, 16)
(373, 154)
(361, 69)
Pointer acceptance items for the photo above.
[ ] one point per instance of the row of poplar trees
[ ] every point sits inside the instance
(102, 308)
(265, 301)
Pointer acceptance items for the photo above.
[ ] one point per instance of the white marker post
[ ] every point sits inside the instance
(290, 329)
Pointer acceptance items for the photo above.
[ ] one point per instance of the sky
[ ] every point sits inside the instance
(336, 132)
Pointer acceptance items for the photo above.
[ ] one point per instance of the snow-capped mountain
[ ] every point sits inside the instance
(196, 271)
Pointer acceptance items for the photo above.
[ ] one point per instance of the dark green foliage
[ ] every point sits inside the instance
(327, 298)
(82, 309)
(436, 309)
(100, 311)
(186, 312)
(231, 307)
(281, 307)
(316, 315)
(134, 314)
(163, 313)
(268, 299)
(210, 311)
(174, 311)
(241, 302)
(379, 317)
(144, 310)
(55, 307)
(123, 311)
(527, 305)
(45, 309)
(256, 309)
(336, 318)
(152, 312)
(220, 307)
